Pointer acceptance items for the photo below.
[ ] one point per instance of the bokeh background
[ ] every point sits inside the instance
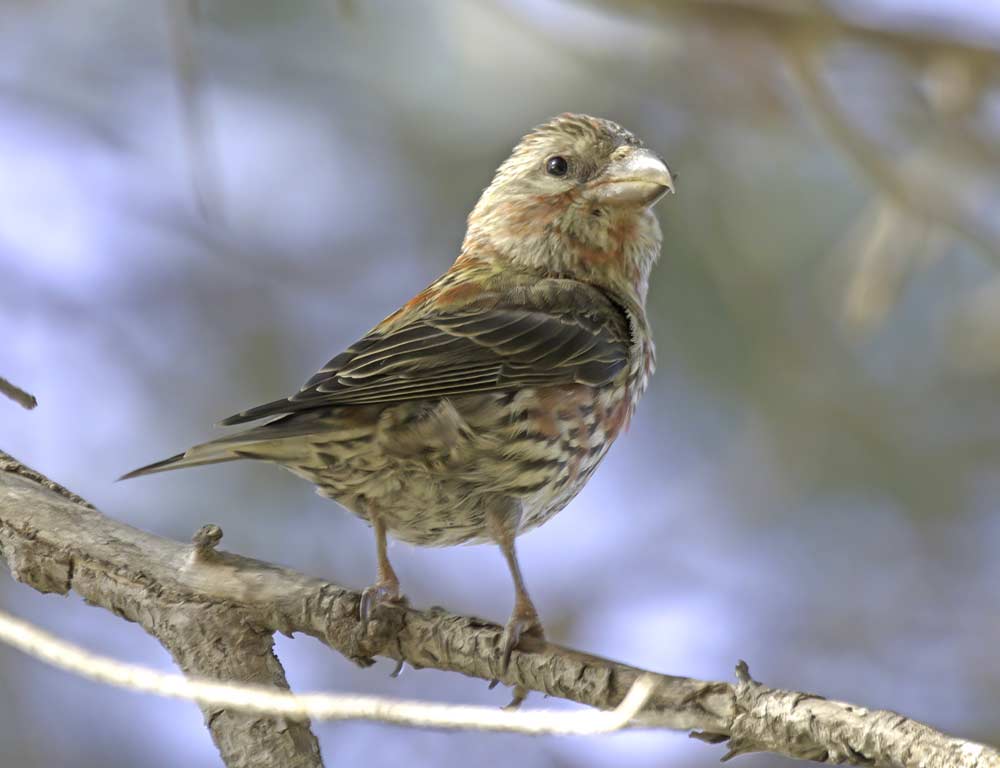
(202, 203)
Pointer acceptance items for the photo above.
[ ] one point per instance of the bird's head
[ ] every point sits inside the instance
(574, 199)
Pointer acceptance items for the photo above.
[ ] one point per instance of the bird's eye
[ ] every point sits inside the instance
(556, 166)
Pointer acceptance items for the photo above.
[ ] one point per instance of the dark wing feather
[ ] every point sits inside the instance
(570, 335)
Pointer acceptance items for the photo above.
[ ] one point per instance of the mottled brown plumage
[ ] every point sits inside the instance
(480, 408)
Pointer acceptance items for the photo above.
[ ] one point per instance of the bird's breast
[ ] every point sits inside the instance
(434, 468)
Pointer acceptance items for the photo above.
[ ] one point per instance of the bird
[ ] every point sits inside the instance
(481, 407)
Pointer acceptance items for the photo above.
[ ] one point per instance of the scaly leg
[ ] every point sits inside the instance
(523, 630)
(386, 586)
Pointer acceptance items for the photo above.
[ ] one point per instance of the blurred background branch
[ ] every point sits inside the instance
(317, 706)
(823, 21)
(196, 124)
(922, 196)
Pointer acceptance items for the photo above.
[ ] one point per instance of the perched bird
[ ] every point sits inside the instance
(481, 407)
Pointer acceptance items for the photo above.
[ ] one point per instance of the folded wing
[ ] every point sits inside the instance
(559, 332)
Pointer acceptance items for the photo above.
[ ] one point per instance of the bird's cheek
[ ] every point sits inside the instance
(529, 214)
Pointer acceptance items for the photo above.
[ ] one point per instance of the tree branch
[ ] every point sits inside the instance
(187, 595)
(211, 641)
(206, 638)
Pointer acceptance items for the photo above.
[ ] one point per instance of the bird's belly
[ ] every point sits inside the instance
(431, 471)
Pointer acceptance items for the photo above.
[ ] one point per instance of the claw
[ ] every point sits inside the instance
(376, 595)
(399, 669)
(520, 694)
(523, 633)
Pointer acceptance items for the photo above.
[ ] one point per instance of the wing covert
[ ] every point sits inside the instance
(570, 335)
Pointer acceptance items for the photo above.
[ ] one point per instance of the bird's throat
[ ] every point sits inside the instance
(614, 251)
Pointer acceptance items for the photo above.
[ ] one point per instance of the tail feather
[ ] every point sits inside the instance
(190, 458)
(263, 441)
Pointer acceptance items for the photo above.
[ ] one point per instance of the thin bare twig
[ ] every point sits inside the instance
(320, 706)
(17, 394)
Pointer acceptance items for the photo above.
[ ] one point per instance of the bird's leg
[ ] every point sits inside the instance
(386, 586)
(523, 630)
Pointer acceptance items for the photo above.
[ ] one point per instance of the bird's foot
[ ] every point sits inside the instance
(523, 632)
(380, 593)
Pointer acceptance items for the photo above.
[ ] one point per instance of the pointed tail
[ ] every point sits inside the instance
(199, 455)
(274, 440)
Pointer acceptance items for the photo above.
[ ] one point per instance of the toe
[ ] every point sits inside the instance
(524, 634)
(511, 637)
(520, 694)
(365, 606)
(376, 595)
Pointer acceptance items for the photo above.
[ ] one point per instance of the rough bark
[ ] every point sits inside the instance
(216, 612)
(49, 539)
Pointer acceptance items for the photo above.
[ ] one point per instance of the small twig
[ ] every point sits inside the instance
(320, 706)
(17, 394)
(205, 540)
